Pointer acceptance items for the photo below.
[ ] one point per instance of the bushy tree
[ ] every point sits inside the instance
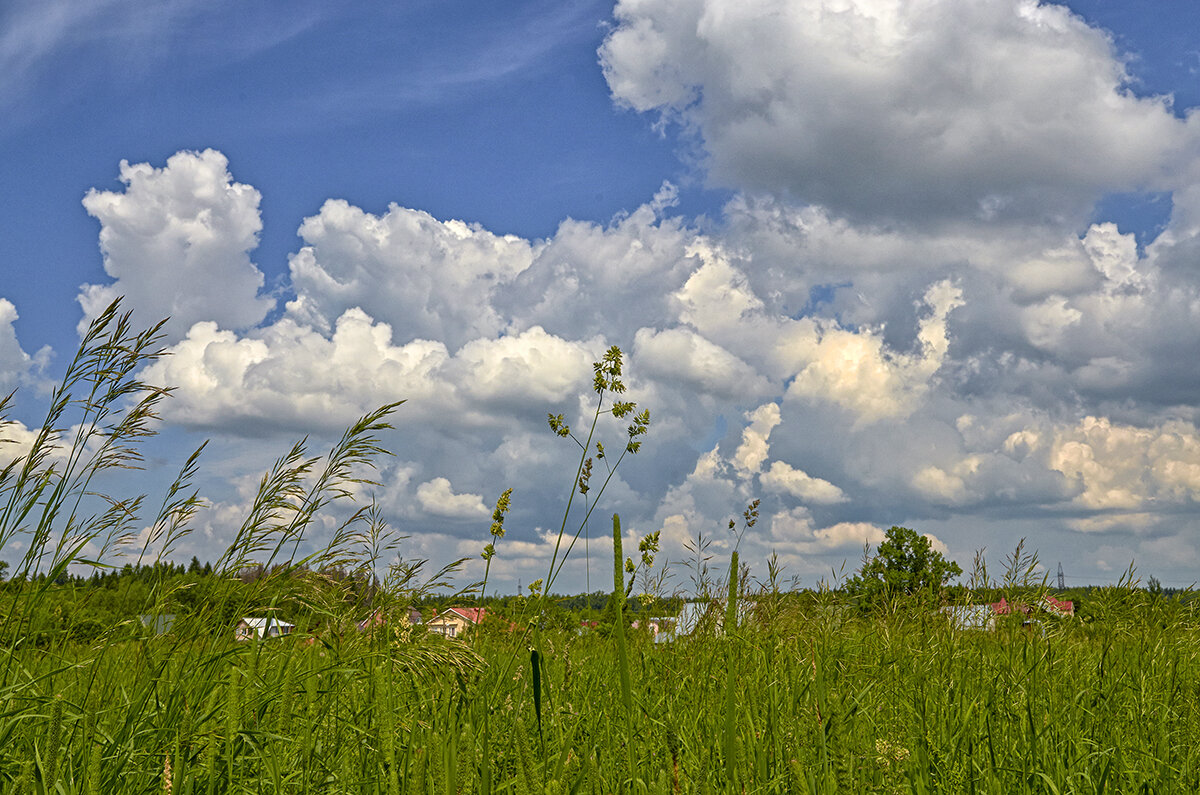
(904, 563)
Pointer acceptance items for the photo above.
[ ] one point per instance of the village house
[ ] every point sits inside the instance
(1061, 607)
(409, 617)
(697, 616)
(259, 628)
(971, 616)
(983, 616)
(455, 621)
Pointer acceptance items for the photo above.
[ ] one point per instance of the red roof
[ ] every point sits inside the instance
(1003, 608)
(1063, 606)
(472, 614)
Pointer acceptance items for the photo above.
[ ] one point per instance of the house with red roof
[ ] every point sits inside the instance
(1060, 607)
(1005, 607)
(1046, 604)
(455, 621)
(378, 618)
(983, 616)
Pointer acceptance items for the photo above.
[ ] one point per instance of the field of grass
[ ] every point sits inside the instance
(813, 699)
(809, 693)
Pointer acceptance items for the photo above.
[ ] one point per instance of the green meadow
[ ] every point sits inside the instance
(776, 691)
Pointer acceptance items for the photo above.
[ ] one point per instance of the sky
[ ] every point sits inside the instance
(872, 262)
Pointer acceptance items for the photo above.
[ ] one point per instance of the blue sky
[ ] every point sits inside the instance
(466, 110)
(875, 263)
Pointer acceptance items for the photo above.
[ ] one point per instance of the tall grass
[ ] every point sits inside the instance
(802, 695)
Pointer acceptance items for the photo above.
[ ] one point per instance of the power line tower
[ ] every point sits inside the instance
(1062, 578)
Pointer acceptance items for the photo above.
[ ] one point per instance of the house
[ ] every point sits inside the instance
(259, 628)
(695, 616)
(970, 616)
(662, 628)
(455, 621)
(657, 626)
(1005, 608)
(1047, 604)
(1058, 607)
(410, 617)
(983, 616)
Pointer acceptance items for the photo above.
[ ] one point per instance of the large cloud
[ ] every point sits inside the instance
(609, 279)
(929, 384)
(291, 376)
(429, 279)
(1129, 468)
(716, 340)
(680, 355)
(825, 361)
(921, 111)
(177, 243)
(437, 497)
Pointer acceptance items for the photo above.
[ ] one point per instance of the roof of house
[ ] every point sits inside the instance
(1004, 607)
(379, 618)
(263, 623)
(1060, 605)
(1048, 602)
(471, 614)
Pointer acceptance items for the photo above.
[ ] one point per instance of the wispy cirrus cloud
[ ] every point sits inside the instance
(118, 41)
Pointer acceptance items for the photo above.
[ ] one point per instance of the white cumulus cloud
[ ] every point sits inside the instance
(783, 478)
(437, 498)
(682, 356)
(1128, 467)
(855, 369)
(177, 243)
(915, 110)
(755, 447)
(427, 278)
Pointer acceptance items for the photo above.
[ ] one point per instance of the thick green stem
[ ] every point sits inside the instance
(619, 634)
(619, 629)
(730, 679)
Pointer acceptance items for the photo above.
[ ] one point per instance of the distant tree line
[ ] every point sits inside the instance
(85, 606)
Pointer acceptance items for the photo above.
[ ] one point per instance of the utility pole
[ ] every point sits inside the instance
(1062, 579)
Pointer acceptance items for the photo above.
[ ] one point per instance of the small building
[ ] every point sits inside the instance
(707, 616)
(971, 616)
(1058, 607)
(260, 628)
(455, 621)
(655, 625)
(1046, 604)
(983, 616)
(379, 618)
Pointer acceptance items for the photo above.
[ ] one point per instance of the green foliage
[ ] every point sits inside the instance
(904, 563)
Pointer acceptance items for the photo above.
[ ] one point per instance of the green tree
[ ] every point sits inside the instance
(904, 563)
